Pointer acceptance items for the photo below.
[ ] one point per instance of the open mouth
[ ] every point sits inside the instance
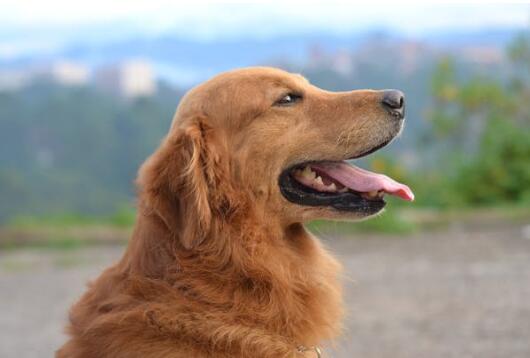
(340, 185)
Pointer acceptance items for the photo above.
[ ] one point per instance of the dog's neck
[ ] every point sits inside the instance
(278, 280)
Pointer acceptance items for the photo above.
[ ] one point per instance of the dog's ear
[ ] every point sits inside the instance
(177, 181)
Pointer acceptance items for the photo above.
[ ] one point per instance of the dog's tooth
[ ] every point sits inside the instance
(372, 194)
(380, 194)
(343, 190)
(319, 181)
(332, 187)
(308, 173)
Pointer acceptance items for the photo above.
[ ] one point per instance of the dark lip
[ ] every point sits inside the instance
(299, 194)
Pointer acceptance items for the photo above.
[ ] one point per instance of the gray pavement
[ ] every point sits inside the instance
(453, 294)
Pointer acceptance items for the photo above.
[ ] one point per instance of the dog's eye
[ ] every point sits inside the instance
(288, 99)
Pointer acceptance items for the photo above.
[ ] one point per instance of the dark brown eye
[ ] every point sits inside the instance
(288, 99)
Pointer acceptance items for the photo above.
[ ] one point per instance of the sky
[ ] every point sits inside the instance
(37, 25)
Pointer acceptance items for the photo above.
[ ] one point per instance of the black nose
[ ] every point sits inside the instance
(394, 102)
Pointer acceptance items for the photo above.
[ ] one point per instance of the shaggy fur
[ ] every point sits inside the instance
(219, 264)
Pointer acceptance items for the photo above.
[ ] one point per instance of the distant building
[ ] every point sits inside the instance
(483, 55)
(65, 73)
(129, 79)
(69, 73)
(411, 53)
(340, 61)
(343, 62)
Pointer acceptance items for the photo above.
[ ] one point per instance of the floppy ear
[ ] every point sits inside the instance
(175, 183)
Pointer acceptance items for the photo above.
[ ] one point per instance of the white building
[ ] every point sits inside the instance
(69, 73)
(129, 79)
(65, 73)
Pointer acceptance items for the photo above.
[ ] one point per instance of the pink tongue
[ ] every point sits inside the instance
(362, 180)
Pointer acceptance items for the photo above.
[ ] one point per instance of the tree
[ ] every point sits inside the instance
(484, 125)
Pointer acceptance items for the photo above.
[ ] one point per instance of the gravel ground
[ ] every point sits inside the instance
(445, 295)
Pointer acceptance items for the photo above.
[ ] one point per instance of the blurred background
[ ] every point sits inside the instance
(88, 90)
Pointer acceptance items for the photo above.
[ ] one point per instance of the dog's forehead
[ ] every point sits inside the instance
(259, 76)
(251, 84)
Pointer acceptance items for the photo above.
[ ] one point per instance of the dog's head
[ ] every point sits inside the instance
(268, 140)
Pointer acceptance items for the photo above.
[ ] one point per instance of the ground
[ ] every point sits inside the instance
(452, 294)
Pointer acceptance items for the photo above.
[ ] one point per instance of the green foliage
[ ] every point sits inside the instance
(443, 81)
(122, 218)
(74, 149)
(484, 127)
(389, 222)
(519, 50)
(502, 172)
(56, 220)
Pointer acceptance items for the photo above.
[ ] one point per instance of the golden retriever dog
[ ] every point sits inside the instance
(219, 263)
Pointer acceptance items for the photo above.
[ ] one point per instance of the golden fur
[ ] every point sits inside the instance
(219, 264)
